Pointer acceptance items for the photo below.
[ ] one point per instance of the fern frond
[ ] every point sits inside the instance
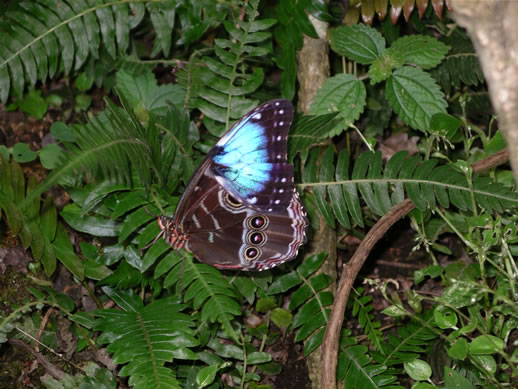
(41, 37)
(217, 85)
(116, 146)
(358, 370)
(145, 338)
(310, 299)
(411, 341)
(461, 65)
(207, 290)
(361, 308)
(381, 188)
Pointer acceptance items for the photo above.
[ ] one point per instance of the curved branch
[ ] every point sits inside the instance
(352, 268)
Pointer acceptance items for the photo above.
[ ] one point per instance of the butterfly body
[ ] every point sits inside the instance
(240, 210)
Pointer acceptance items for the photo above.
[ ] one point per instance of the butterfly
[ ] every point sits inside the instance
(241, 210)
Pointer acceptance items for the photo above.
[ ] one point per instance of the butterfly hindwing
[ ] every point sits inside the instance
(227, 233)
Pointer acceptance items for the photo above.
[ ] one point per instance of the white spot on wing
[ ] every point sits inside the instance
(281, 111)
(253, 200)
(281, 124)
(214, 220)
(283, 179)
(277, 103)
(277, 201)
(257, 116)
(196, 221)
(279, 138)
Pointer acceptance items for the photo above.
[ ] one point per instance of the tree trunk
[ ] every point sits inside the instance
(493, 28)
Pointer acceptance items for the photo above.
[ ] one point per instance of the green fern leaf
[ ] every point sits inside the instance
(207, 290)
(425, 183)
(145, 338)
(410, 343)
(357, 370)
(217, 86)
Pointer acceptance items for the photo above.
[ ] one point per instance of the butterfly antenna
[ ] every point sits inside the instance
(153, 242)
(149, 212)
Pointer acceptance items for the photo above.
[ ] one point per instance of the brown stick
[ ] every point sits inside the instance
(351, 269)
(52, 369)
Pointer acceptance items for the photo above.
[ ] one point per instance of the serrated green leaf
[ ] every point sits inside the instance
(343, 93)
(415, 97)
(308, 131)
(421, 50)
(359, 42)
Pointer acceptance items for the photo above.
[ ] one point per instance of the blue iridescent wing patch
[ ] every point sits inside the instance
(250, 160)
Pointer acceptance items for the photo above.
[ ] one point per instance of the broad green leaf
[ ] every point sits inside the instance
(453, 379)
(382, 67)
(418, 370)
(421, 50)
(22, 153)
(462, 294)
(359, 42)
(459, 349)
(258, 357)
(415, 97)
(343, 93)
(51, 156)
(33, 104)
(308, 131)
(445, 317)
(140, 87)
(443, 124)
(48, 259)
(93, 225)
(62, 132)
(65, 253)
(486, 344)
(206, 376)
(281, 317)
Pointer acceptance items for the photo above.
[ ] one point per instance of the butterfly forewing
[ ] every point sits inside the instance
(250, 161)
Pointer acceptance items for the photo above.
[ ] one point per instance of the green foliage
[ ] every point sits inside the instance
(218, 86)
(144, 338)
(412, 93)
(36, 222)
(96, 377)
(425, 183)
(64, 35)
(358, 370)
(181, 323)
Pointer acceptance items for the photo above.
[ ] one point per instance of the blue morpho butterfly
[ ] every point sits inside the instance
(240, 209)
